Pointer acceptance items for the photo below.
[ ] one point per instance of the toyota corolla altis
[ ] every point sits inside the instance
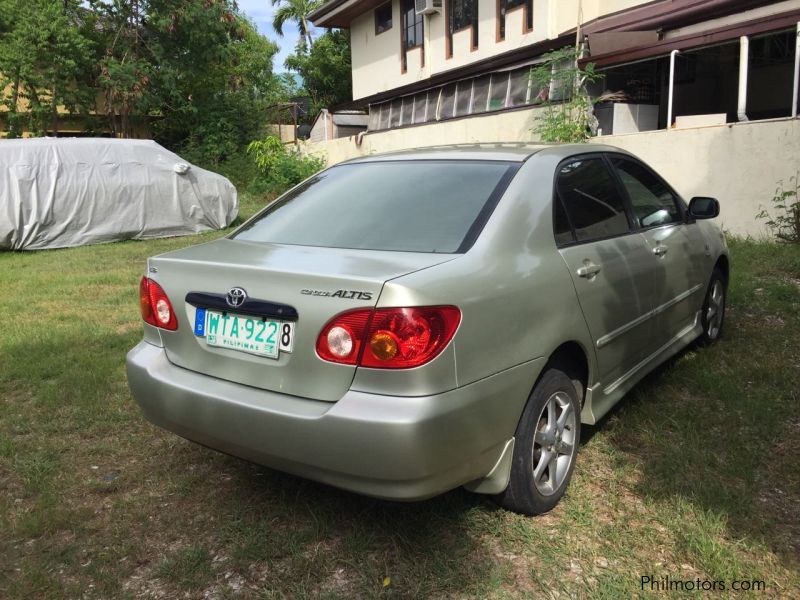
(404, 324)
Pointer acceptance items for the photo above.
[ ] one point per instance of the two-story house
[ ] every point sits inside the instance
(708, 88)
(423, 61)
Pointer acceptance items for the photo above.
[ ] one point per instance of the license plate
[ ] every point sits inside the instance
(264, 337)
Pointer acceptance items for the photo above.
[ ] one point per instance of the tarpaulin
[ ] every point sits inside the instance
(60, 192)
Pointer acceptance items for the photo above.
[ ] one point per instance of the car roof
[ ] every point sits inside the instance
(509, 152)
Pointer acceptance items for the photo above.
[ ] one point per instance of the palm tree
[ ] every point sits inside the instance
(295, 10)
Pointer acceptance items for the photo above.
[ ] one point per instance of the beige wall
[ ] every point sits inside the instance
(740, 164)
(376, 58)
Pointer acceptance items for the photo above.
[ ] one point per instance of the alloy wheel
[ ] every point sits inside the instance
(715, 310)
(554, 444)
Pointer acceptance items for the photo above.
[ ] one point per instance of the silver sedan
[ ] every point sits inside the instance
(404, 324)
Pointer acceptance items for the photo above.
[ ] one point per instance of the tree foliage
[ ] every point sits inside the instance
(568, 114)
(325, 69)
(46, 54)
(196, 70)
(297, 11)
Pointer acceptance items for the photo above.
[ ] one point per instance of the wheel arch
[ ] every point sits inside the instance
(723, 264)
(573, 359)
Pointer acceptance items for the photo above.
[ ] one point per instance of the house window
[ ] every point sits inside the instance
(412, 25)
(385, 109)
(420, 107)
(518, 85)
(480, 94)
(383, 18)
(463, 97)
(505, 6)
(407, 115)
(489, 92)
(498, 91)
(447, 102)
(412, 30)
(771, 75)
(460, 15)
(395, 112)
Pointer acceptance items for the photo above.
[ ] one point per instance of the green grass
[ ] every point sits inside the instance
(695, 475)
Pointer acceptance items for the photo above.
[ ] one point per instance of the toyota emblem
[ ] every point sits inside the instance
(236, 297)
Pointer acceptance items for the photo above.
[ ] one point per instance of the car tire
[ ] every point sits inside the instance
(712, 316)
(545, 446)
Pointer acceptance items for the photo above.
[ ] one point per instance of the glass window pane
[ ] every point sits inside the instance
(591, 199)
(446, 101)
(480, 93)
(383, 18)
(374, 117)
(463, 94)
(384, 122)
(420, 102)
(408, 106)
(360, 206)
(561, 229)
(652, 201)
(461, 13)
(561, 83)
(394, 119)
(518, 88)
(497, 96)
(771, 75)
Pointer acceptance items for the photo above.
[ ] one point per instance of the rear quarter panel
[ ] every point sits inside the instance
(517, 299)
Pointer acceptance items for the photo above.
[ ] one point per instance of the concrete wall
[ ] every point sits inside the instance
(740, 164)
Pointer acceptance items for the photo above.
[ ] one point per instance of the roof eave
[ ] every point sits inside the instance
(330, 14)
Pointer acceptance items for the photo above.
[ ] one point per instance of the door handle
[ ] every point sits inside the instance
(660, 250)
(588, 270)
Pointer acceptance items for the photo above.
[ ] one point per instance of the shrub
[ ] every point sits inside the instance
(279, 168)
(785, 223)
(568, 108)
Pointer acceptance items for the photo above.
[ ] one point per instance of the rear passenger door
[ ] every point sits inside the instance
(609, 261)
(676, 247)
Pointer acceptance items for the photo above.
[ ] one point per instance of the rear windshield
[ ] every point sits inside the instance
(410, 206)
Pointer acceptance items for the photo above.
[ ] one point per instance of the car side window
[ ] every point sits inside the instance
(652, 201)
(561, 227)
(591, 199)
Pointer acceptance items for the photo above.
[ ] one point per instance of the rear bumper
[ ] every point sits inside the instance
(401, 448)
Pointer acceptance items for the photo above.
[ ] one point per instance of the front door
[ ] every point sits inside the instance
(676, 248)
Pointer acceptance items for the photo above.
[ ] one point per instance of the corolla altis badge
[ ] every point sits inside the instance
(347, 294)
(236, 297)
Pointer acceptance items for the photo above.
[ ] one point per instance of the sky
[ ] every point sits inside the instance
(260, 12)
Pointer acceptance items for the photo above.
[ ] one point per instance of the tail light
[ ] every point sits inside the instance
(388, 338)
(155, 306)
(341, 339)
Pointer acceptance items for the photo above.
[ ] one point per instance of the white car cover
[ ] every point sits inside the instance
(56, 193)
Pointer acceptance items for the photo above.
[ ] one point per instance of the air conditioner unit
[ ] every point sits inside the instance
(428, 7)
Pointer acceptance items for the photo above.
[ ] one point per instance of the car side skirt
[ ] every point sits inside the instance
(601, 397)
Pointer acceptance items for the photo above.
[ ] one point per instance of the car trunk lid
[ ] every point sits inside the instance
(315, 283)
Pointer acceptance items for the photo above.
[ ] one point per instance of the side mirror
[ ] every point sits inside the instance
(702, 207)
